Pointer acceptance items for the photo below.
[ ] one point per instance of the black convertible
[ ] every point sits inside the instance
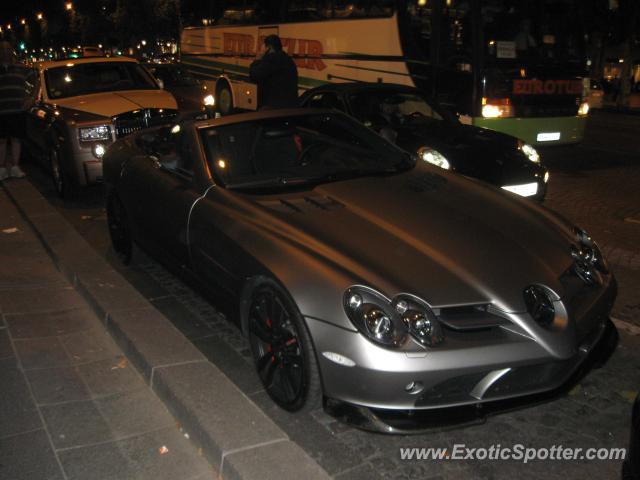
(408, 118)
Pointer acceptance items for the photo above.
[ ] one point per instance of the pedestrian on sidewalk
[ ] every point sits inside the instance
(13, 100)
(276, 74)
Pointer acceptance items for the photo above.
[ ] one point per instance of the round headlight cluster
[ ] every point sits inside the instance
(590, 252)
(391, 323)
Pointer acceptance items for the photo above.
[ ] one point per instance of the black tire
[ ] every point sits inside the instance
(282, 349)
(61, 180)
(224, 99)
(119, 228)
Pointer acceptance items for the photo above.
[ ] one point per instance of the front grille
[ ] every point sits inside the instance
(130, 122)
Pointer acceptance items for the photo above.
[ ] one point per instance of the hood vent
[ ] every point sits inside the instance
(302, 204)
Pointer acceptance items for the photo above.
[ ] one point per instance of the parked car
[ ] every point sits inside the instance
(360, 272)
(192, 94)
(81, 106)
(407, 117)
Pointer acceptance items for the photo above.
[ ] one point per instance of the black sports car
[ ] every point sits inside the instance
(407, 117)
(360, 272)
(191, 93)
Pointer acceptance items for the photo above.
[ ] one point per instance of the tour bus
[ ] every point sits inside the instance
(510, 65)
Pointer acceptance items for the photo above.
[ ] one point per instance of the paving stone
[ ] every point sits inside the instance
(105, 419)
(18, 413)
(48, 324)
(149, 340)
(111, 376)
(28, 456)
(137, 458)
(53, 385)
(39, 299)
(89, 345)
(107, 291)
(268, 462)
(216, 414)
(192, 326)
(232, 364)
(42, 353)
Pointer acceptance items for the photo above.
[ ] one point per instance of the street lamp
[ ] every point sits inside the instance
(68, 6)
(23, 21)
(39, 16)
(8, 26)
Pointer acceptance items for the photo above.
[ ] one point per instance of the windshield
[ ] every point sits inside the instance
(85, 78)
(173, 76)
(392, 109)
(304, 149)
(541, 32)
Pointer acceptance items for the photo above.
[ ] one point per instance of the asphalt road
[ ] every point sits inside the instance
(595, 185)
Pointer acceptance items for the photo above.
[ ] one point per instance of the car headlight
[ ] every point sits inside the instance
(530, 152)
(391, 323)
(209, 100)
(91, 134)
(98, 150)
(524, 190)
(590, 252)
(584, 109)
(434, 157)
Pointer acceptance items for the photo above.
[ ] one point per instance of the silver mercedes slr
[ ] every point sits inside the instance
(362, 274)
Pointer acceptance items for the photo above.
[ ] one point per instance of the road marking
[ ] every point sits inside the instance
(632, 220)
(626, 326)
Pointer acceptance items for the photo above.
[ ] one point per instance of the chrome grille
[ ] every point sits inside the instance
(130, 122)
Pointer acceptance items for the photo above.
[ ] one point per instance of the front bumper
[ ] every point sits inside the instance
(476, 367)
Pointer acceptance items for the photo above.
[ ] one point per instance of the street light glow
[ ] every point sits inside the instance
(23, 21)
(68, 6)
(39, 15)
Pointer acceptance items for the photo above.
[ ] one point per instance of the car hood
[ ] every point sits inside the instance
(109, 104)
(477, 152)
(448, 239)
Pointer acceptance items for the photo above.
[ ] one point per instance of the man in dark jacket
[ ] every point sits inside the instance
(13, 98)
(276, 75)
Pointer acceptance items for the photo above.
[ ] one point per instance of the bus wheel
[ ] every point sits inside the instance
(225, 99)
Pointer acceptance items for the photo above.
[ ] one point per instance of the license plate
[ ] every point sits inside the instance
(548, 136)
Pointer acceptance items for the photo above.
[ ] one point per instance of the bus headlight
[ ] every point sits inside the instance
(584, 109)
(209, 100)
(434, 157)
(496, 108)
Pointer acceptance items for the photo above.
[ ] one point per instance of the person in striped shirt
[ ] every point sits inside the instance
(13, 100)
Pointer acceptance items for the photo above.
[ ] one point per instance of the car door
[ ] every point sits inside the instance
(38, 119)
(213, 229)
(162, 187)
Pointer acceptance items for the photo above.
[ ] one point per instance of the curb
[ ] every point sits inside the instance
(235, 435)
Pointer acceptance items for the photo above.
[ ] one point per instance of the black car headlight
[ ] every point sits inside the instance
(433, 157)
(529, 152)
(91, 134)
(391, 323)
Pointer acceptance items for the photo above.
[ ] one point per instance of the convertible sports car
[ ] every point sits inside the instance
(80, 106)
(361, 273)
(405, 116)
